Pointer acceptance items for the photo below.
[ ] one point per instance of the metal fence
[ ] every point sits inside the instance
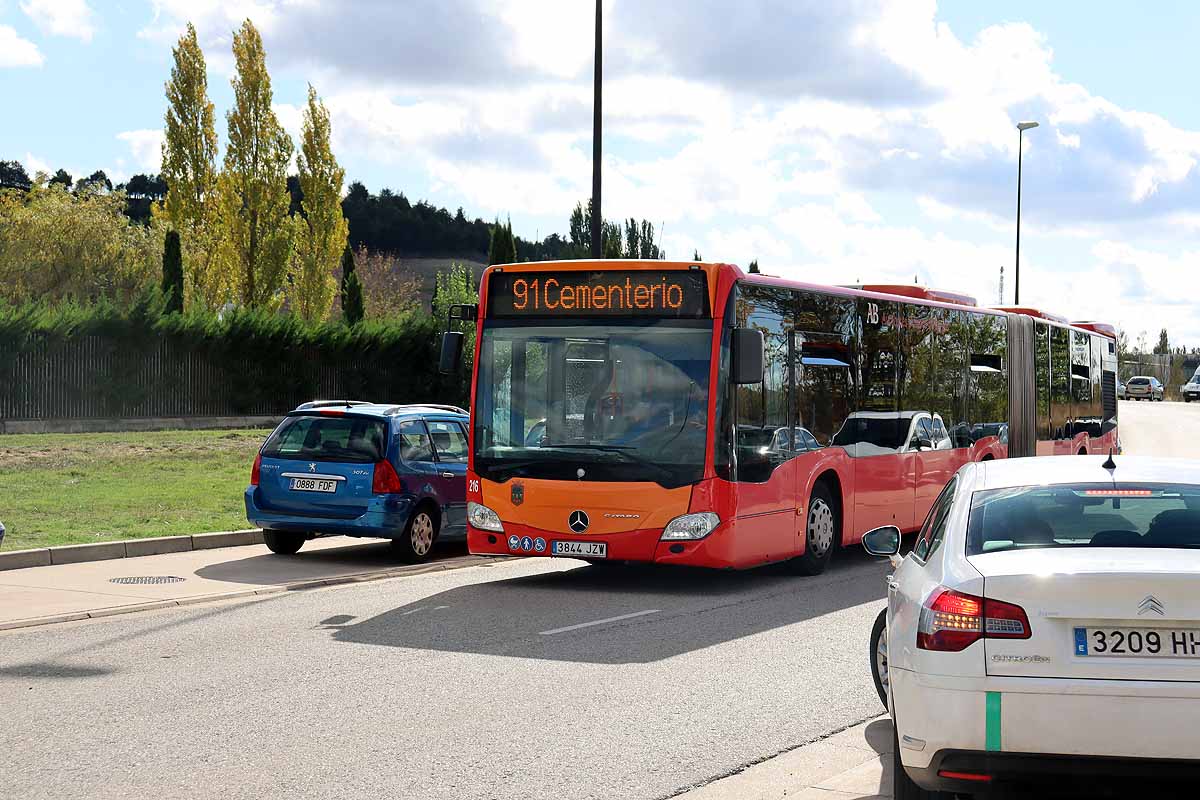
(93, 377)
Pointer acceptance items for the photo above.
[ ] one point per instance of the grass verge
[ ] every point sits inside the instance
(75, 488)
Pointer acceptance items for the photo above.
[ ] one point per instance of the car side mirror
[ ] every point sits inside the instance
(747, 356)
(452, 350)
(883, 541)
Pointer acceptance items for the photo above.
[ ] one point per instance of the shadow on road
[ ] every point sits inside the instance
(49, 669)
(667, 611)
(356, 556)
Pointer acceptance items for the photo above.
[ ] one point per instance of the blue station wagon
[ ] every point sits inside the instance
(362, 469)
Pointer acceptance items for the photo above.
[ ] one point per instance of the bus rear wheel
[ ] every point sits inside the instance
(822, 532)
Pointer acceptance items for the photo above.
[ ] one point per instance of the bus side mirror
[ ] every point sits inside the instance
(747, 356)
(452, 350)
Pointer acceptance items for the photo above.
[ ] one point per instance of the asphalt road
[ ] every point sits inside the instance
(526, 679)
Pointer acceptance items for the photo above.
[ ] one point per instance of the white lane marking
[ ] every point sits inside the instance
(412, 611)
(599, 622)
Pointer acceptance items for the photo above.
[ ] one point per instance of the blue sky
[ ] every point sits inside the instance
(868, 140)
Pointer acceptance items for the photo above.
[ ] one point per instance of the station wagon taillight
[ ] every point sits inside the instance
(386, 481)
(255, 470)
(952, 621)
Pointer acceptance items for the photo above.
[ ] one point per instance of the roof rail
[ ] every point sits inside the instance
(439, 406)
(1033, 312)
(919, 293)
(329, 403)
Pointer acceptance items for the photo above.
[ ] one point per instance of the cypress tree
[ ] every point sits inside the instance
(754, 267)
(503, 246)
(352, 295)
(353, 310)
(172, 278)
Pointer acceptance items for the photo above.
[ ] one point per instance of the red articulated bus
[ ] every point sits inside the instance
(695, 414)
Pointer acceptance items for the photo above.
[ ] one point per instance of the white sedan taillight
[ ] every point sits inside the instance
(952, 621)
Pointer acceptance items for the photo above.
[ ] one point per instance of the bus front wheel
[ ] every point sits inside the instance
(822, 532)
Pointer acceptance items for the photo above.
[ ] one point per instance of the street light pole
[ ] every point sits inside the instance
(1021, 128)
(597, 219)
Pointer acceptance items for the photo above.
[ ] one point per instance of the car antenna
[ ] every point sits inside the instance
(1109, 464)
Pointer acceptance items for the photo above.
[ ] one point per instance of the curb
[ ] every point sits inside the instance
(459, 562)
(129, 548)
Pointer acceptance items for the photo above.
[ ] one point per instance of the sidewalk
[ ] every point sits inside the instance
(66, 592)
(855, 764)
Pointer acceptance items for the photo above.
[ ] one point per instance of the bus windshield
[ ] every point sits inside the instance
(596, 402)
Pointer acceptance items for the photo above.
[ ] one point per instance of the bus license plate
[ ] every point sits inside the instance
(1138, 642)
(313, 485)
(580, 549)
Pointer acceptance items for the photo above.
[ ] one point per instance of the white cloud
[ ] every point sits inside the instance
(146, 148)
(71, 18)
(18, 52)
(788, 132)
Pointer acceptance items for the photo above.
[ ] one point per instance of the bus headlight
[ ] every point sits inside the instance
(483, 518)
(690, 527)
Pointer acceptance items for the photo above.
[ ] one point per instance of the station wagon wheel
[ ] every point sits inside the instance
(283, 543)
(822, 531)
(416, 543)
(879, 657)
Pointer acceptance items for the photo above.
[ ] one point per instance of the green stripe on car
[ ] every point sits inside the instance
(992, 735)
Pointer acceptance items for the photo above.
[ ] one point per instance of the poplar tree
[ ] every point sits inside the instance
(189, 154)
(322, 230)
(256, 230)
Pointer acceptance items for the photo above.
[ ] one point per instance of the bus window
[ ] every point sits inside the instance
(764, 437)
(989, 398)
(1041, 371)
(951, 399)
(1060, 382)
(918, 357)
(824, 385)
(1081, 381)
(882, 322)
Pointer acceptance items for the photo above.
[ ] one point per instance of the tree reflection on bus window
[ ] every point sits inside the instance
(763, 435)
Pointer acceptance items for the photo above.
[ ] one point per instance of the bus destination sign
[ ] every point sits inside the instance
(616, 293)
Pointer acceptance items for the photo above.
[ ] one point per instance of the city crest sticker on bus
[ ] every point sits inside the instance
(518, 493)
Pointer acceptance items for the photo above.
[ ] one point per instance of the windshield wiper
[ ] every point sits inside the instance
(625, 450)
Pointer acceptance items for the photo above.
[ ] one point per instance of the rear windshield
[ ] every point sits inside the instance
(1084, 515)
(1138, 381)
(357, 440)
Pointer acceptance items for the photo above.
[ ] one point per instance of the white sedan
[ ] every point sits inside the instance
(1045, 628)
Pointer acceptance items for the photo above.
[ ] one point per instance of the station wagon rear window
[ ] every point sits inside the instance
(356, 440)
(1084, 515)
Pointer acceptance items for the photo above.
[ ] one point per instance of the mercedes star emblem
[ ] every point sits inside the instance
(578, 521)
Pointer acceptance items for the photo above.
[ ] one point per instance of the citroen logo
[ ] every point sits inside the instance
(578, 521)
(312, 467)
(1151, 604)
